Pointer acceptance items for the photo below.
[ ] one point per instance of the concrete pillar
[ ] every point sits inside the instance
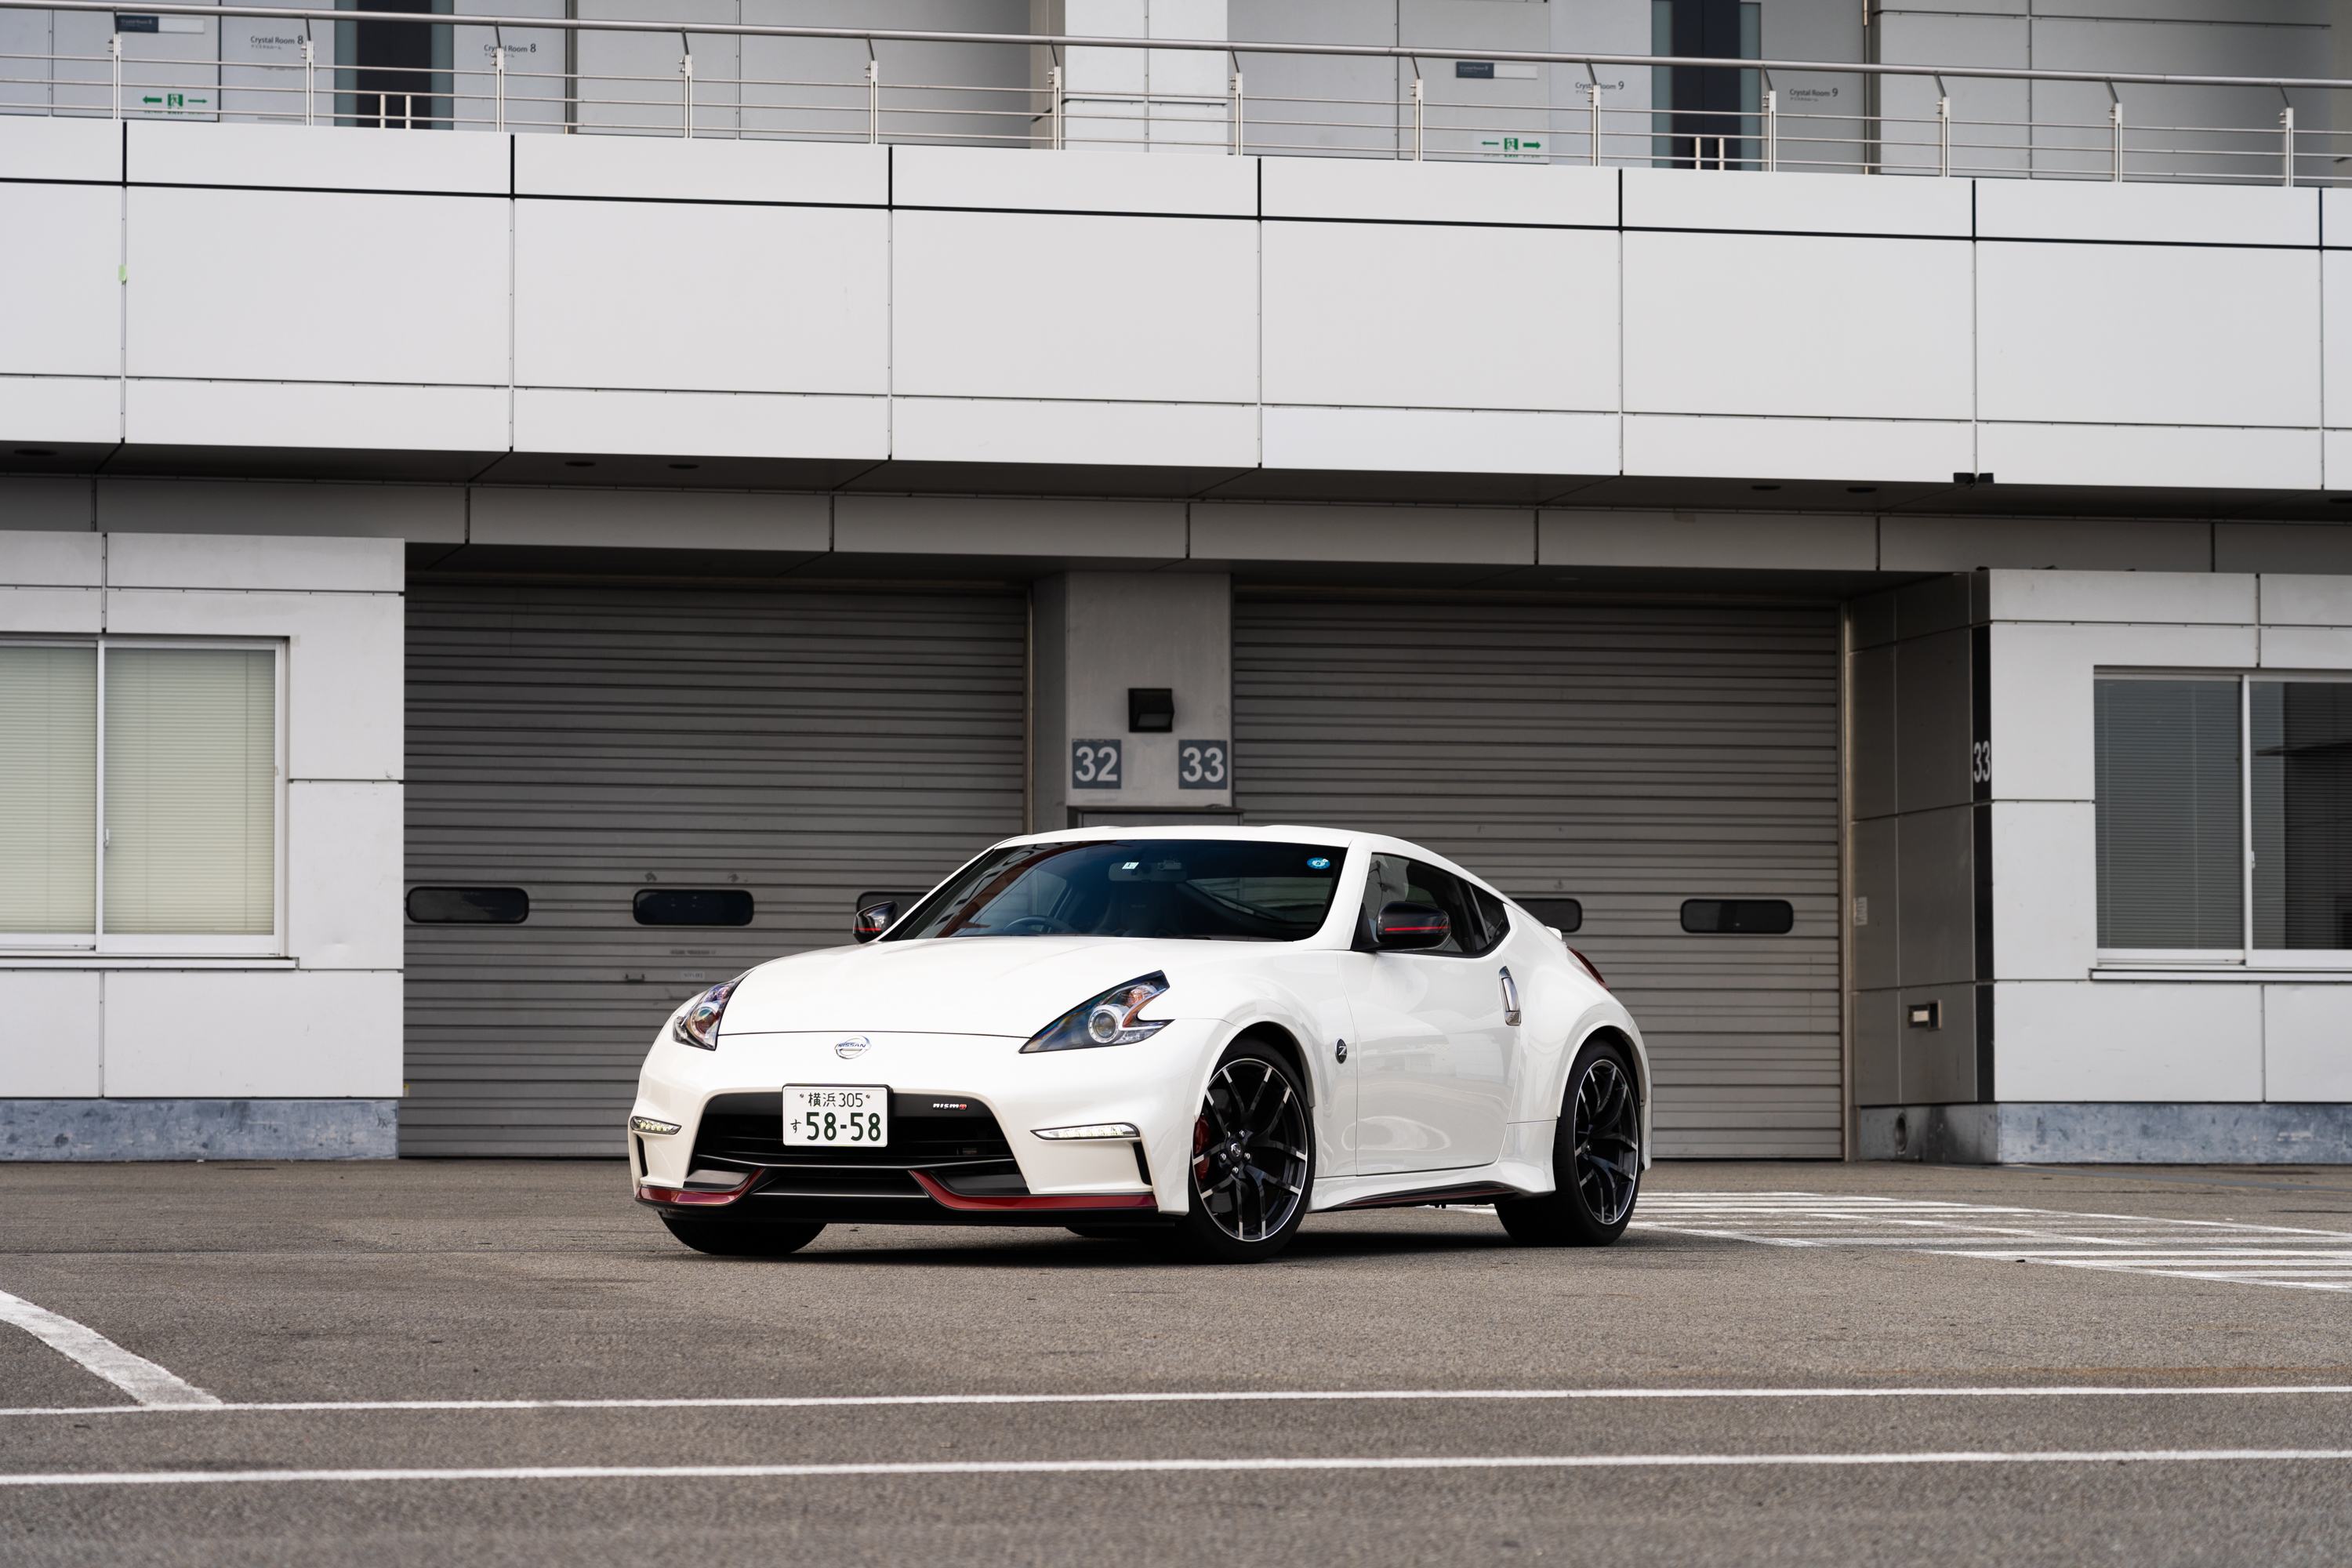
(1101, 641)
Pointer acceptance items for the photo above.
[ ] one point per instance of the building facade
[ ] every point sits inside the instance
(463, 591)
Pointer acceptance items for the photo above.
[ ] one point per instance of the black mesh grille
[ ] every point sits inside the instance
(746, 1131)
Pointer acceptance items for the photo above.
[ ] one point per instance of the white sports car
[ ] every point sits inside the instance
(1195, 1036)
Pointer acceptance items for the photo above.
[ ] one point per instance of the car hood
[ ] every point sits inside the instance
(955, 985)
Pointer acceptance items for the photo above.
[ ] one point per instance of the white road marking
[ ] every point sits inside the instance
(1148, 1466)
(2225, 1251)
(150, 1384)
(1217, 1396)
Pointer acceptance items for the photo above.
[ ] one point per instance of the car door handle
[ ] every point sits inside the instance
(1510, 998)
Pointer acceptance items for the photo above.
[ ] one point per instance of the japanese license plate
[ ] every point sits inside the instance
(830, 1116)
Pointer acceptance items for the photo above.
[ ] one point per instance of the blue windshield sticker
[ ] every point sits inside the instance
(1319, 864)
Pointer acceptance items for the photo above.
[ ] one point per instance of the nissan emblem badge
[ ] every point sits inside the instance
(852, 1047)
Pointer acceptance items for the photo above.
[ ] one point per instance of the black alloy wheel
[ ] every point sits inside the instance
(1596, 1159)
(721, 1239)
(1253, 1160)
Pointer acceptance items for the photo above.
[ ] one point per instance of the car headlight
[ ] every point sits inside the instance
(1104, 1020)
(697, 1022)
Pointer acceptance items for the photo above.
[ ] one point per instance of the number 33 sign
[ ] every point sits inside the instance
(1201, 764)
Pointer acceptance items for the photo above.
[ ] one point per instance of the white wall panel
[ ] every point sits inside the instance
(1501, 537)
(2307, 1043)
(676, 520)
(2335, 348)
(2038, 543)
(727, 299)
(242, 1032)
(2298, 599)
(2200, 457)
(1010, 430)
(255, 562)
(343, 874)
(930, 525)
(314, 157)
(2147, 212)
(57, 408)
(2190, 598)
(1441, 440)
(1074, 181)
(1439, 316)
(67, 315)
(2045, 891)
(52, 560)
(344, 698)
(1862, 328)
(673, 169)
(2108, 1040)
(1398, 191)
(53, 1049)
(40, 147)
(2148, 334)
(1920, 450)
(2335, 455)
(2041, 679)
(210, 270)
(50, 610)
(2307, 647)
(1710, 541)
(1015, 306)
(315, 413)
(701, 423)
(1796, 202)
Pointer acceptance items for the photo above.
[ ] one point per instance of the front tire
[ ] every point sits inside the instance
(1252, 1160)
(723, 1240)
(1596, 1159)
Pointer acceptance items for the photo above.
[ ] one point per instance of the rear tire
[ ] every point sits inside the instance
(1596, 1159)
(1253, 1165)
(723, 1240)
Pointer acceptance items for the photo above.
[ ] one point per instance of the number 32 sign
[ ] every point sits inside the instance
(1095, 765)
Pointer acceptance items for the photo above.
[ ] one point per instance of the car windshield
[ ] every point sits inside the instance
(1207, 888)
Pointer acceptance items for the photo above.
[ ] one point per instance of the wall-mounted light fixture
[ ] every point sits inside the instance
(1151, 710)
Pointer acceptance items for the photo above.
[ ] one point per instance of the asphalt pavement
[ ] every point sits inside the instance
(508, 1362)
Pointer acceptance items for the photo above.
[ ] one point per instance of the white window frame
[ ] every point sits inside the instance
(102, 944)
(2245, 958)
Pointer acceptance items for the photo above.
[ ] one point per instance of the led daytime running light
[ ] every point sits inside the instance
(1108, 1019)
(1091, 1130)
(697, 1022)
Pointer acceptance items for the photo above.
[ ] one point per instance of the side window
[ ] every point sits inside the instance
(1476, 917)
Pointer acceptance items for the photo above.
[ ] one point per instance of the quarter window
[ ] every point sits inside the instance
(139, 797)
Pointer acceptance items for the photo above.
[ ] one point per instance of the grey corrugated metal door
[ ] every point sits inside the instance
(1630, 757)
(586, 744)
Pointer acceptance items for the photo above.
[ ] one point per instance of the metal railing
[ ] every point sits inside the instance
(803, 83)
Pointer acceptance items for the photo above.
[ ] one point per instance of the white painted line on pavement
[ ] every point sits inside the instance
(1219, 1396)
(1148, 1466)
(150, 1384)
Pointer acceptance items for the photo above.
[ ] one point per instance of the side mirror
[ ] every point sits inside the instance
(872, 920)
(1403, 927)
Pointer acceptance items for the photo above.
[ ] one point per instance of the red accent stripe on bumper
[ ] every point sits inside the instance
(946, 1199)
(690, 1197)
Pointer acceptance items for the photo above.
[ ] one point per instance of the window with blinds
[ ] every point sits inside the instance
(2170, 814)
(2300, 734)
(48, 790)
(138, 795)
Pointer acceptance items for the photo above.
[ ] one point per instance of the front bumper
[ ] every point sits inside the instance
(977, 1160)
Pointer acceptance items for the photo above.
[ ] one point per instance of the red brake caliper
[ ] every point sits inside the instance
(1200, 1143)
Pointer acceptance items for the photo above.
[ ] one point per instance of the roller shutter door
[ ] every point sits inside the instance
(588, 744)
(1630, 757)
